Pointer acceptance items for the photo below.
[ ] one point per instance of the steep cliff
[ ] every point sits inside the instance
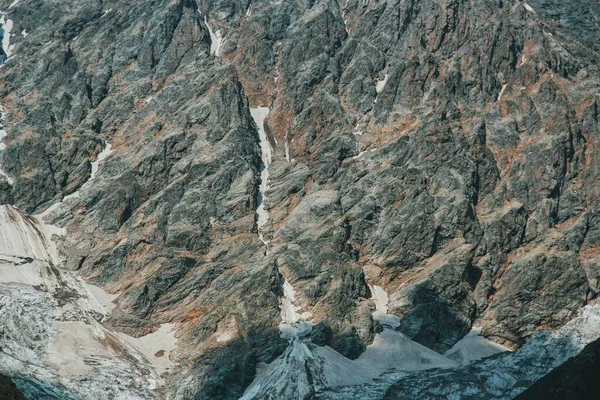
(217, 194)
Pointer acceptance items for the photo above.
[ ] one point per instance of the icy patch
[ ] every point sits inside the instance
(293, 324)
(24, 33)
(288, 157)
(106, 12)
(523, 60)
(473, 347)
(14, 3)
(8, 179)
(216, 40)
(3, 134)
(259, 114)
(529, 8)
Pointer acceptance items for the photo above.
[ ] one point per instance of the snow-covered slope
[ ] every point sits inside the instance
(305, 368)
(473, 347)
(53, 337)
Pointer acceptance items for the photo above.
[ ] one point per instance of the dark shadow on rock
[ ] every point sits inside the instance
(578, 378)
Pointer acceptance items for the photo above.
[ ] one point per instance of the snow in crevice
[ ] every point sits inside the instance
(107, 151)
(287, 141)
(216, 40)
(529, 8)
(293, 323)
(3, 135)
(259, 114)
(95, 166)
(14, 3)
(381, 83)
(502, 91)
(381, 300)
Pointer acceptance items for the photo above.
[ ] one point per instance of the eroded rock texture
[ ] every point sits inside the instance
(445, 150)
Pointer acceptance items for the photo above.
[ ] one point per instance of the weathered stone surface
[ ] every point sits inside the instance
(450, 148)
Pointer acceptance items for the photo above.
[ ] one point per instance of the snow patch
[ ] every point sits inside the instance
(473, 347)
(381, 83)
(14, 3)
(75, 345)
(529, 8)
(156, 346)
(101, 157)
(259, 114)
(6, 28)
(394, 350)
(293, 324)
(19, 236)
(381, 300)
(8, 179)
(101, 297)
(216, 40)
(18, 270)
(226, 336)
(502, 91)
(306, 368)
(359, 155)
(50, 230)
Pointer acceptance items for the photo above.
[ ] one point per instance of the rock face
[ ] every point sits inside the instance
(197, 161)
(8, 390)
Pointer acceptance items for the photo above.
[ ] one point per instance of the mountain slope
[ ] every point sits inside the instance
(199, 166)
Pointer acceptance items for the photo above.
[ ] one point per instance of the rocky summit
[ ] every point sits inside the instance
(299, 199)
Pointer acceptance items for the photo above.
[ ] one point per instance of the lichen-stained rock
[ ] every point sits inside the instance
(444, 150)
